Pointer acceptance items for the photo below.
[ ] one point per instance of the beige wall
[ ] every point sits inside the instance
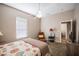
(54, 21)
(76, 16)
(8, 23)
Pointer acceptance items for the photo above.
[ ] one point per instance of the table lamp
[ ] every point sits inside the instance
(1, 34)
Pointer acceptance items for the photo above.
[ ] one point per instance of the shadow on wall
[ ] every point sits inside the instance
(78, 36)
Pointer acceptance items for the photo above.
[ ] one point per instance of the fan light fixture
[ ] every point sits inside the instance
(39, 14)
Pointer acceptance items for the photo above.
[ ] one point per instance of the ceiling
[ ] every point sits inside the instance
(46, 8)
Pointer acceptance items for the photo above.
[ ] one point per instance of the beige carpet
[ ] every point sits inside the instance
(57, 49)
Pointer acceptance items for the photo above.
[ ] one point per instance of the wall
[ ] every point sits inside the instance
(8, 23)
(54, 21)
(76, 16)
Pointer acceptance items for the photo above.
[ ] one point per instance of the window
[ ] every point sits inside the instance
(21, 27)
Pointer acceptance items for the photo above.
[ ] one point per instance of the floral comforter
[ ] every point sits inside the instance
(19, 48)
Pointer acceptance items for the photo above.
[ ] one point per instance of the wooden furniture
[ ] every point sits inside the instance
(41, 36)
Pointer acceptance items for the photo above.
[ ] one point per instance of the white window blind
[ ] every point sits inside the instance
(21, 27)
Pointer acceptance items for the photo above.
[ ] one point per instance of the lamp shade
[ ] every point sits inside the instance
(41, 35)
(1, 34)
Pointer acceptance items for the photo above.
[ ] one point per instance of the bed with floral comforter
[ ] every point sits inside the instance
(19, 48)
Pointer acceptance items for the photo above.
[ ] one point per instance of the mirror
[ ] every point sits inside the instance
(68, 31)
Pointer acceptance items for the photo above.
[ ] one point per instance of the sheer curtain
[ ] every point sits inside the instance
(21, 27)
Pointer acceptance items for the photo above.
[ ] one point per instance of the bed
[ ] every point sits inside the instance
(41, 45)
(25, 47)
